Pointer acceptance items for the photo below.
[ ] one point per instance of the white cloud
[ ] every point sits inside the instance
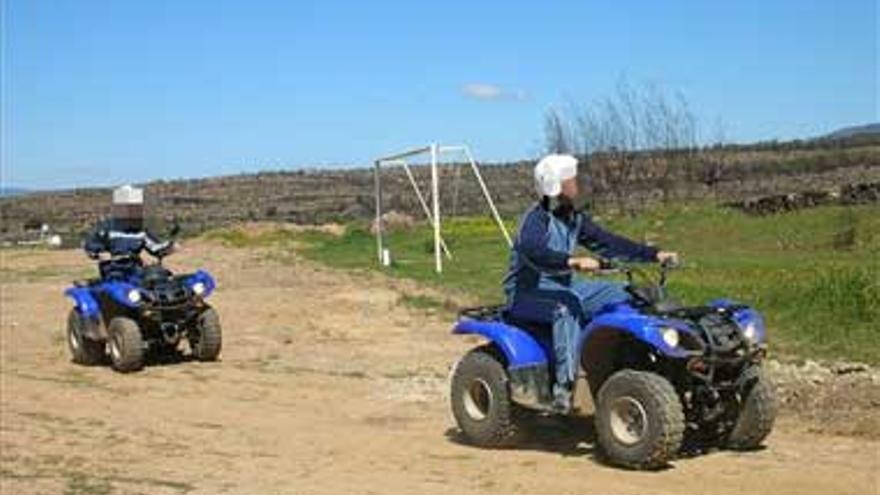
(491, 92)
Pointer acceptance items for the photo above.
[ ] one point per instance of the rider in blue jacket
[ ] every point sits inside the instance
(540, 285)
(122, 238)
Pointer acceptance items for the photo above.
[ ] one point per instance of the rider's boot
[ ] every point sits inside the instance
(562, 398)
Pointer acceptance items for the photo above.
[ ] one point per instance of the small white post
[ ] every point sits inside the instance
(435, 197)
(377, 185)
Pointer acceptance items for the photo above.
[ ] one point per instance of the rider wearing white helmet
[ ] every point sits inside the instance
(540, 286)
(122, 237)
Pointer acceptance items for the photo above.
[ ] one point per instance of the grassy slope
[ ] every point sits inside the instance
(815, 274)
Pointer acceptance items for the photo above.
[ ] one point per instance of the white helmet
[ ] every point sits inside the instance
(551, 171)
(128, 207)
(128, 195)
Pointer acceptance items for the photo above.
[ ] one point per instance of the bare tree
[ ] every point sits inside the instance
(671, 141)
(637, 133)
(557, 133)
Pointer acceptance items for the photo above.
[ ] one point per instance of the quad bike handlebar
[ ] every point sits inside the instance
(651, 294)
(171, 243)
(165, 251)
(652, 291)
(612, 266)
(640, 283)
(609, 267)
(159, 254)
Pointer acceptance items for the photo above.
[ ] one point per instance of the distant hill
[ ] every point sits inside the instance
(6, 192)
(728, 174)
(854, 131)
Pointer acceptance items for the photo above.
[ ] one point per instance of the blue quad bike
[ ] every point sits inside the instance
(148, 311)
(658, 373)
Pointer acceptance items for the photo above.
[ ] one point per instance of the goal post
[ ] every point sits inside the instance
(435, 152)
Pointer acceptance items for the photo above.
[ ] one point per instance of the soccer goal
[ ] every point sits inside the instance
(436, 154)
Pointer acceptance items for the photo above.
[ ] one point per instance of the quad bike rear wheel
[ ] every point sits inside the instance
(481, 402)
(83, 350)
(756, 416)
(639, 420)
(126, 345)
(207, 338)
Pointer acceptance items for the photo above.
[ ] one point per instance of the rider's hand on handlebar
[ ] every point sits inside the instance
(584, 264)
(668, 257)
(167, 249)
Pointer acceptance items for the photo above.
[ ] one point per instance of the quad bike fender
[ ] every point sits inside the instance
(203, 277)
(520, 348)
(745, 316)
(527, 364)
(643, 328)
(86, 305)
(119, 290)
(84, 302)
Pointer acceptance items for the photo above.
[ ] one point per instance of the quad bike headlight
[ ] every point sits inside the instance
(198, 288)
(134, 296)
(751, 332)
(670, 336)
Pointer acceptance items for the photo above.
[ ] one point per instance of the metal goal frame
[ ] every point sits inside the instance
(432, 212)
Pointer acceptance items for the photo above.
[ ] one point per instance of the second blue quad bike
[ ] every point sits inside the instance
(147, 310)
(658, 373)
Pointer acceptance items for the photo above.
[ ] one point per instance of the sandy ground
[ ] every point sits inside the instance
(327, 385)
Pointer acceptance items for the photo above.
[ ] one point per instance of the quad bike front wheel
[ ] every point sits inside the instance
(639, 420)
(756, 417)
(481, 402)
(83, 350)
(207, 338)
(126, 345)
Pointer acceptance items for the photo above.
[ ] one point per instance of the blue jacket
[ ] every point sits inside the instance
(124, 244)
(547, 239)
(110, 237)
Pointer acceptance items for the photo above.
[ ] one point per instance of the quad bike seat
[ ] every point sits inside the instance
(501, 312)
(483, 313)
(533, 327)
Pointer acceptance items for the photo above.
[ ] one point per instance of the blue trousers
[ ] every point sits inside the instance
(568, 309)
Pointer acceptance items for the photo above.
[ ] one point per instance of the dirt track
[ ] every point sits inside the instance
(326, 385)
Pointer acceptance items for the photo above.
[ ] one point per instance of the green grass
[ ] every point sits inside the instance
(815, 274)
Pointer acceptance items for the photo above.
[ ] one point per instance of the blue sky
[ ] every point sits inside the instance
(102, 92)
